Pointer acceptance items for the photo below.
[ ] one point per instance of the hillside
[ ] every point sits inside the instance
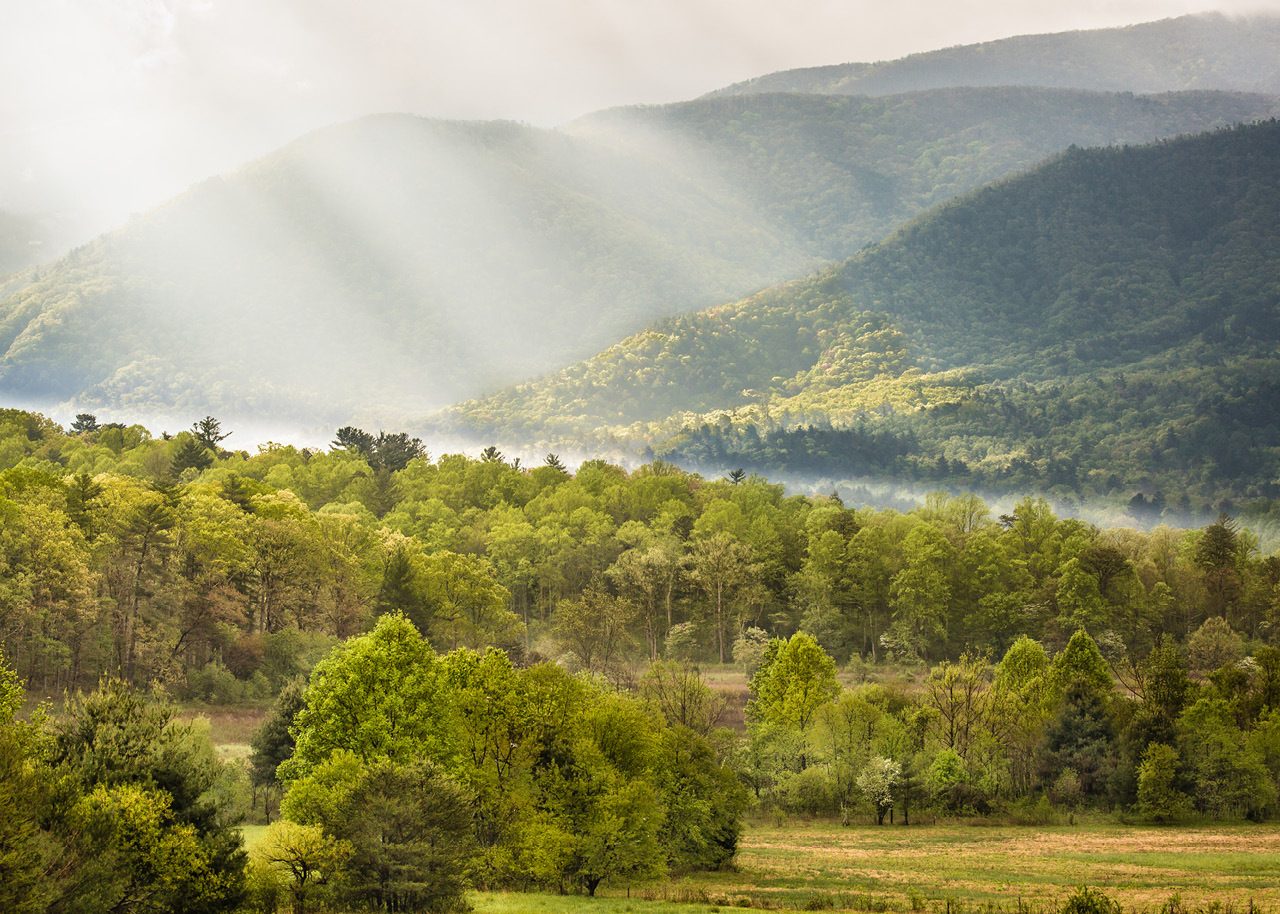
(1208, 51)
(389, 266)
(1105, 323)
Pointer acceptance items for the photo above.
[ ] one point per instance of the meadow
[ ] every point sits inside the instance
(951, 867)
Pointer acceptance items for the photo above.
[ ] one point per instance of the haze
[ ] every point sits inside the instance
(110, 106)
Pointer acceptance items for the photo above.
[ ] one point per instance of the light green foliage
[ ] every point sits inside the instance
(1231, 778)
(1081, 662)
(377, 696)
(795, 679)
(139, 855)
(919, 594)
(1158, 795)
(620, 840)
(1080, 603)
(302, 857)
(723, 567)
(555, 779)
(1214, 645)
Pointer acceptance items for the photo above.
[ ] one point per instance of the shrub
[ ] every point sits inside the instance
(1090, 901)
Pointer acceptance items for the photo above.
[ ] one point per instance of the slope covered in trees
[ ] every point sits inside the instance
(1209, 51)
(406, 263)
(1106, 322)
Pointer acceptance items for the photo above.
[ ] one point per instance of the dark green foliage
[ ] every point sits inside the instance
(1090, 901)
(387, 452)
(411, 837)
(273, 742)
(356, 440)
(84, 422)
(192, 454)
(208, 431)
(115, 807)
(1080, 740)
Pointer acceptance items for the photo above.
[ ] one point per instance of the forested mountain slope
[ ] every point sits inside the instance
(1208, 51)
(391, 265)
(1106, 322)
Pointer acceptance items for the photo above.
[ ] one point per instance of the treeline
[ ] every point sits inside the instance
(1193, 731)
(223, 575)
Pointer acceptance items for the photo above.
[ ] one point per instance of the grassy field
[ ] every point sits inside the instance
(869, 868)
(974, 868)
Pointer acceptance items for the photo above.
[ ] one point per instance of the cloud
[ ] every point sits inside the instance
(112, 105)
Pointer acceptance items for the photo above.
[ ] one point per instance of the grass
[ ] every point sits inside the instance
(888, 868)
(252, 835)
(229, 725)
(948, 868)
(533, 903)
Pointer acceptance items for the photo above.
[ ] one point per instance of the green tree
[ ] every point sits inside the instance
(721, 566)
(1159, 798)
(191, 454)
(378, 696)
(595, 627)
(409, 829)
(208, 431)
(309, 858)
(795, 679)
(1080, 602)
(620, 838)
(272, 743)
(920, 594)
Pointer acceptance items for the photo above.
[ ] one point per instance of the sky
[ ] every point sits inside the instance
(109, 107)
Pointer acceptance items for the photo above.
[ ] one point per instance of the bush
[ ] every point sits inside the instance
(1033, 811)
(809, 792)
(214, 684)
(1090, 901)
(749, 647)
(264, 888)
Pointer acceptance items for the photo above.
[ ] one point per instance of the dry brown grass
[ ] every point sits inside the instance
(899, 867)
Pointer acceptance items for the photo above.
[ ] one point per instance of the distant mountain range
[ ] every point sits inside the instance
(1108, 321)
(396, 264)
(385, 268)
(1207, 51)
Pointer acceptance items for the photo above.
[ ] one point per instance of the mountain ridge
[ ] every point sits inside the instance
(1196, 51)
(410, 262)
(1152, 263)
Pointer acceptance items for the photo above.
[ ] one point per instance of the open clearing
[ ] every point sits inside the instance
(824, 866)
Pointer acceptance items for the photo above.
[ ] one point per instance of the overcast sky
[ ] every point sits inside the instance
(109, 106)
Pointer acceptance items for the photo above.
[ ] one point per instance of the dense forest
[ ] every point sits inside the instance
(1104, 325)
(224, 574)
(408, 262)
(1206, 51)
(503, 660)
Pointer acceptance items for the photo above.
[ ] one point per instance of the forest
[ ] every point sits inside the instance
(1102, 326)
(506, 668)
